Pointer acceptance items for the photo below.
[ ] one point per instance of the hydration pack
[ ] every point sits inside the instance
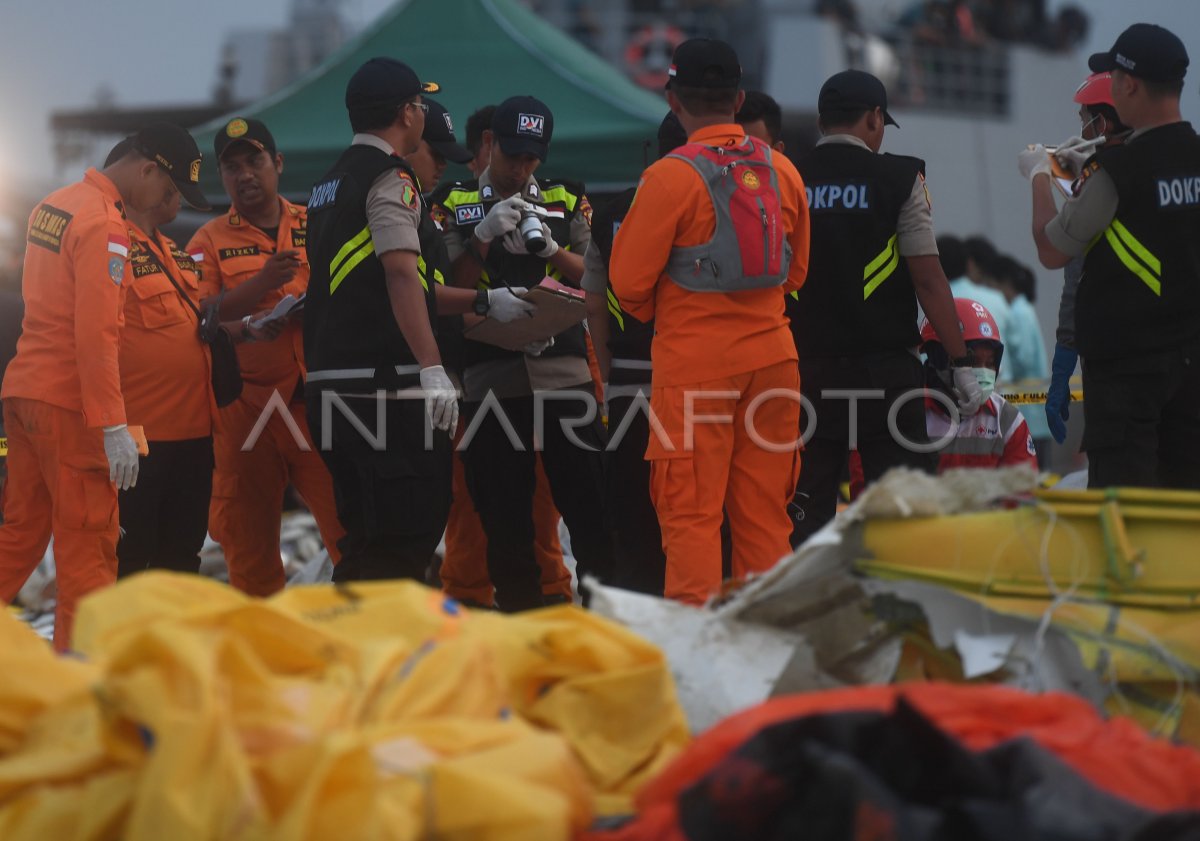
(749, 247)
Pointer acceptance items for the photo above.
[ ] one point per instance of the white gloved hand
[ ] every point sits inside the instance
(536, 348)
(514, 243)
(551, 246)
(966, 388)
(441, 398)
(505, 305)
(121, 451)
(501, 219)
(1073, 154)
(1033, 161)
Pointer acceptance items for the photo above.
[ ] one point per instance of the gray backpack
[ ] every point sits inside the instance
(749, 247)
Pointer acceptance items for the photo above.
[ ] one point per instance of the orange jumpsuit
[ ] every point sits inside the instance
(248, 486)
(713, 354)
(60, 390)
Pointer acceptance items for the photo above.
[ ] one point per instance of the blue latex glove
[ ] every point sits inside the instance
(1058, 396)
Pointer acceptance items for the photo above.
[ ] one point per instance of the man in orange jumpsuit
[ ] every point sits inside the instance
(69, 447)
(166, 379)
(254, 256)
(725, 386)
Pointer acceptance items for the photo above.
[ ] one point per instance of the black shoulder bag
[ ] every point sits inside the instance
(226, 374)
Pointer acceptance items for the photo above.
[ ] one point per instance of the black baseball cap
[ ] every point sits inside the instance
(671, 135)
(523, 125)
(704, 63)
(1147, 51)
(173, 149)
(439, 133)
(244, 130)
(853, 90)
(384, 81)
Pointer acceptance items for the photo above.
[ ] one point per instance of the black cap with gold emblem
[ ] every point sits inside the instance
(382, 81)
(244, 130)
(175, 151)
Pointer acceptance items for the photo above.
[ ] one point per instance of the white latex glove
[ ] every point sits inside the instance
(121, 452)
(506, 305)
(966, 388)
(536, 348)
(551, 246)
(501, 219)
(441, 398)
(1073, 154)
(514, 243)
(1032, 162)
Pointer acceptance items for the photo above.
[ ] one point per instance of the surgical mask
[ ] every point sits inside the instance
(986, 378)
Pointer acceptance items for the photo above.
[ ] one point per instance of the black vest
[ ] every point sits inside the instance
(463, 206)
(628, 338)
(858, 298)
(434, 267)
(348, 321)
(1140, 290)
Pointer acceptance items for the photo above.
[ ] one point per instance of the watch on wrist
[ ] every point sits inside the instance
(482, 305)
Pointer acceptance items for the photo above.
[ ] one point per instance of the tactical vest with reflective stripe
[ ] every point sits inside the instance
(628, 339)
(351, 339)
(749, 247)
(858, 298)
(1140, 290)
(463, 205)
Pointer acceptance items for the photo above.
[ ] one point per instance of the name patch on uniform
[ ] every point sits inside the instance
(47, 227)
(468, 214)
(531, 124)
(1178, 192)
(140, 262)
(323, 194)
(241, 251)
(839, 197)
(183, 260)
(299, 237)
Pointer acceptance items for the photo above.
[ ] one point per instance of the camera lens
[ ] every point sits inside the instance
(530, 227)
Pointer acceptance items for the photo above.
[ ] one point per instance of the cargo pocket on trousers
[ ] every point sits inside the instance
(673, 486)
(87, 500)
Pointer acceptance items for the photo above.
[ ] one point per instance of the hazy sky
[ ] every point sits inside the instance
(56, 54)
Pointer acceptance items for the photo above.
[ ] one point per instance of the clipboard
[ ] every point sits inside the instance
(558, 307)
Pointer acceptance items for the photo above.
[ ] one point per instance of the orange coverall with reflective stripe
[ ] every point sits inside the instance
(248, 486)
(60, 390)
(714, 354)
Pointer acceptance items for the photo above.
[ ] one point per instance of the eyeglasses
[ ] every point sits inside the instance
(424, 106)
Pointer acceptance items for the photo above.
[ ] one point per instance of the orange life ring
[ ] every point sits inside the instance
(649, 51)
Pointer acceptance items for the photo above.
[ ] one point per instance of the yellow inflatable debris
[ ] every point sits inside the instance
(1115, 570)
(370, 711)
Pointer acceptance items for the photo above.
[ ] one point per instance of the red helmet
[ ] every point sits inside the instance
(1096, 90)
(975, 321)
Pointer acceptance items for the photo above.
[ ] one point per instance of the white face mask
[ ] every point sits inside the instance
(986, 378)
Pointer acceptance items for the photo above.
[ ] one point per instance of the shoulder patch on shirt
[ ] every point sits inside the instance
(240, 251)
(925, 190)
(487, 192)
(116, 269)
(585, 209)
(47, 226)
(1089, 169)
(408, 192)
(468, 214)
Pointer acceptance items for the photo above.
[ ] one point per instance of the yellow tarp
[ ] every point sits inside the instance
(374, 711)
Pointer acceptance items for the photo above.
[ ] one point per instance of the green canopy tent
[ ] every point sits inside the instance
(480, 52)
